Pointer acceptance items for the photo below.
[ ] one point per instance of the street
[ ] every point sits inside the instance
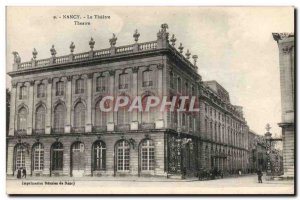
(144, 185)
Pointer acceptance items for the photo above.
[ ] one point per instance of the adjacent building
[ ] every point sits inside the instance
(56, 127)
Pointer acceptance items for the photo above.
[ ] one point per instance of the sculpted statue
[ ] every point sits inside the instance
(17, 58)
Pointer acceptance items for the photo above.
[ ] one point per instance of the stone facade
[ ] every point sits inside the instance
(55, 124)
(286, 45)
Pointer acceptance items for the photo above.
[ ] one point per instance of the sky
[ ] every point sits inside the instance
(234, 45)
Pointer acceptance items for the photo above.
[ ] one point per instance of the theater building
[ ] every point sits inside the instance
(57, 127)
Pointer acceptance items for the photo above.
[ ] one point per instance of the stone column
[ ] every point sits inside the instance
(49, 107)
(160, 68)
(110, 115)
(68, 104)
(10, 158)
(30, 108)
(47, 153)
(89, 124)
(13, 113)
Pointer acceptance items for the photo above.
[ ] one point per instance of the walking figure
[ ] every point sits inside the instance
(24, 172)
(19, 173)
(259, 176)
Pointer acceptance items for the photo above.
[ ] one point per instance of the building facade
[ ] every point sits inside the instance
(286, 45)
(56, 126)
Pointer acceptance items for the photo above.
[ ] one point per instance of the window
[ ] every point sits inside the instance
(147, 78)
(147, 155)
(38, 157)
(41, 90)
(178, 84)
(123, 81)
(183, 119)
(186, 89)
(123, 115)
(147, 116)
(100, 117)
(171, 80)
(22, 119)
(99, 155)
(23, 92)
(79, 86)
(101, 84)
(40, 118)
(60, 88)
(193, 91)
(19, 156)
(57, 152)
(123, 155)
(59, 118)
(79, 115)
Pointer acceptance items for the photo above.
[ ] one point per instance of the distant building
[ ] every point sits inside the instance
(286, 45)
(56, 126)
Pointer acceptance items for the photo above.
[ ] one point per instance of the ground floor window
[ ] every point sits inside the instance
(38, 157)
(147, 155)
(123, 155)
(57, 156)
(99, 155)
(20, 157)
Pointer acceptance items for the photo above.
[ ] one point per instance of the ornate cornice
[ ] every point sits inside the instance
(281, 36)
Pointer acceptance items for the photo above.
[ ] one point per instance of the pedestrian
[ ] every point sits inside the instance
(19, 173)
(24, 172)
(259, 176)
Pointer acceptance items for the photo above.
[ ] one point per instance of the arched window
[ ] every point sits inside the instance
(38, 157)
(123, 155)
(57, 152)
(41, 90)
(60, 88)
(101, 84)
(123, 81)
(19, 156)
(147, 155)
(59, 118)
(79, 115)
(23, 92)
(147, 116)
(79, 86)
(22, 119)
(99, 150)
(100, 117)
(147, 78)
(40, 118)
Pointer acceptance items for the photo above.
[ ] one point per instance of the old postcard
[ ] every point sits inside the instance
(150, 100)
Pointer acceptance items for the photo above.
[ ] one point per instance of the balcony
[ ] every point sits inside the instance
(99, 128)
(145, 126)
(21, 132)
(58, 130)
(79, 91)
(39, 131)
(124, 86)
(147, 83)
(78, 129)
(59, 93)
(123, 127)
(100, 88)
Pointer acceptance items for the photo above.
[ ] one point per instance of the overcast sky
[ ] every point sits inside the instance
(234, 45)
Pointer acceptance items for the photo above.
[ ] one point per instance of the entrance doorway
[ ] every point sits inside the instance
(78, 159)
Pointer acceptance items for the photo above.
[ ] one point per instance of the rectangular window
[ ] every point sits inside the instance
(79, 86)
(41, 90)
(60, 88)
(123, 81)
(101, 84)
(23, 92)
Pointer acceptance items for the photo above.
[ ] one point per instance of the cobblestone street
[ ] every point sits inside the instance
(134, 185)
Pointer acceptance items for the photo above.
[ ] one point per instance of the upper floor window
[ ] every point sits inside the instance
(147, 116)
(23, 92)
(193, 91)
(123, 81)
(147, 78)
(40, 118)
(171, 80)
(178, 84)
(101, 84)
(22, 119)
(41, 90)
(59, 118)
(79, 115)
(60, 88)
(186, 87)
(79, 86)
